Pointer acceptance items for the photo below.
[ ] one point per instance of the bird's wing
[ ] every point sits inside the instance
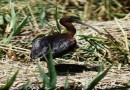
(63, 45)
(59, 46)
(39, 49)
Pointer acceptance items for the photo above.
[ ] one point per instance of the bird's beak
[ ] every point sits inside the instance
(79, 22)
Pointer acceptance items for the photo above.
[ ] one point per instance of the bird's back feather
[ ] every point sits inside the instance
(60, 44)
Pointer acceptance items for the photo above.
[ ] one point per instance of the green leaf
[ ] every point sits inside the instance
(56, 19)
(25, 86)
(15, 29)
(20, 26)
(14, 17)
(43, 75)
(43, 17)
(95, 81)
(7, 40)
(9, 82)
(66, 86)
(13, 24)
(100, 68)
(52, 71)
(1, 20)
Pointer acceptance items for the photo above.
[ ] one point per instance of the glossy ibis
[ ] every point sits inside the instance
(60, 43)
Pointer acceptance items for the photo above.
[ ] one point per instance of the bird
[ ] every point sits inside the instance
(60, 43)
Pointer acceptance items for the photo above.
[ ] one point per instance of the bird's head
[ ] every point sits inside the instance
(70, 19)
(73, 19)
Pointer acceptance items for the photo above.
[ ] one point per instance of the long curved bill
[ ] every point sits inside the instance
(95, 29)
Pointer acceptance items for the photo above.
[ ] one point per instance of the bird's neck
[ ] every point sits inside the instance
(70, 29)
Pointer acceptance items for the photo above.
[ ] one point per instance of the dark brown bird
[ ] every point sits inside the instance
(60, 43)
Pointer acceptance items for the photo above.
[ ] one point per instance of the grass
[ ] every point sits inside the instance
(15, 27)
(96, 80)
(48, 83)
(18, 29)
(9, 82)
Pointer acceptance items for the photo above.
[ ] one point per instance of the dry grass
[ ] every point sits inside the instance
(16, 54)
(29, 71)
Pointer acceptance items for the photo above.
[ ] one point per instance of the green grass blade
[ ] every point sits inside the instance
(21, 25)
(100, 68)
(66, 86)
(95, 81)
(1, 20)
(6, 40)
(25, 86)
(9, 82)
(43, 17)
(43, 75)
(56, 19)
(14, 17)
(52, 71)
(13, 24)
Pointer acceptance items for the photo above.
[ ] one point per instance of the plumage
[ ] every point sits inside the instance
(60, 43)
